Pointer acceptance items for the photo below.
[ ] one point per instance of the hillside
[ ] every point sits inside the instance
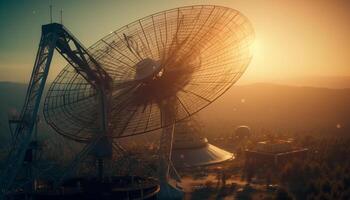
(280, 108)
(264, 107)
(12, 96)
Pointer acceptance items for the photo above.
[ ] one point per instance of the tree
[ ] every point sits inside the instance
(312, 189)
(283, 194)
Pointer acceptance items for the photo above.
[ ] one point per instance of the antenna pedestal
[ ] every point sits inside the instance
(168, 190)
(103, 153)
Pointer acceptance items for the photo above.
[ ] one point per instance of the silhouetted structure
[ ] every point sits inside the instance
(111, 188)
(242, 132)
(274, 153)
(147, 75)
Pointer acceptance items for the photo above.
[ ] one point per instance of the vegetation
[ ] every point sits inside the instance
(306, 114)
(324, 174)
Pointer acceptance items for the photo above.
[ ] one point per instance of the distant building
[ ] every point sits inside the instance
(274, 153)
(242, 132)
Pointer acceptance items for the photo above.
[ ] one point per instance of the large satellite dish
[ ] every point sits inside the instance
(145, 76)
(179, 60)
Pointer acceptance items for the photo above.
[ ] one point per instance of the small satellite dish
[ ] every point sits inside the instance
(242, 132)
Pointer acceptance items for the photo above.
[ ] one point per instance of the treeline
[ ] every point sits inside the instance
(325, 174)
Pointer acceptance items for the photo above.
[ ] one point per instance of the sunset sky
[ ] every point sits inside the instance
(294, 39)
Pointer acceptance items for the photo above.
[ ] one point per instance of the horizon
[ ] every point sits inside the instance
(327, 82)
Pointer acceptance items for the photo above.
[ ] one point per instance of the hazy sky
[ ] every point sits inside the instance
(294, 38)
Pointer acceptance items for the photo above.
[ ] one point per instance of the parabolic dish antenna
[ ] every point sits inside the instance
(180, 59)
(144, 76)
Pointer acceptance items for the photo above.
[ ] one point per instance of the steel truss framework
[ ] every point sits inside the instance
(54, 36)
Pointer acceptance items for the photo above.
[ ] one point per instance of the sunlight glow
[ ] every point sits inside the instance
(255, 48)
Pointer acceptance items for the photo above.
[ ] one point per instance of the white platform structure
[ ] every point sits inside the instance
(190, 149)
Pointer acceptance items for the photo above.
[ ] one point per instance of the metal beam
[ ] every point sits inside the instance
(53, 36)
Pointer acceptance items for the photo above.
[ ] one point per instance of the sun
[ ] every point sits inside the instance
(255, 48)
